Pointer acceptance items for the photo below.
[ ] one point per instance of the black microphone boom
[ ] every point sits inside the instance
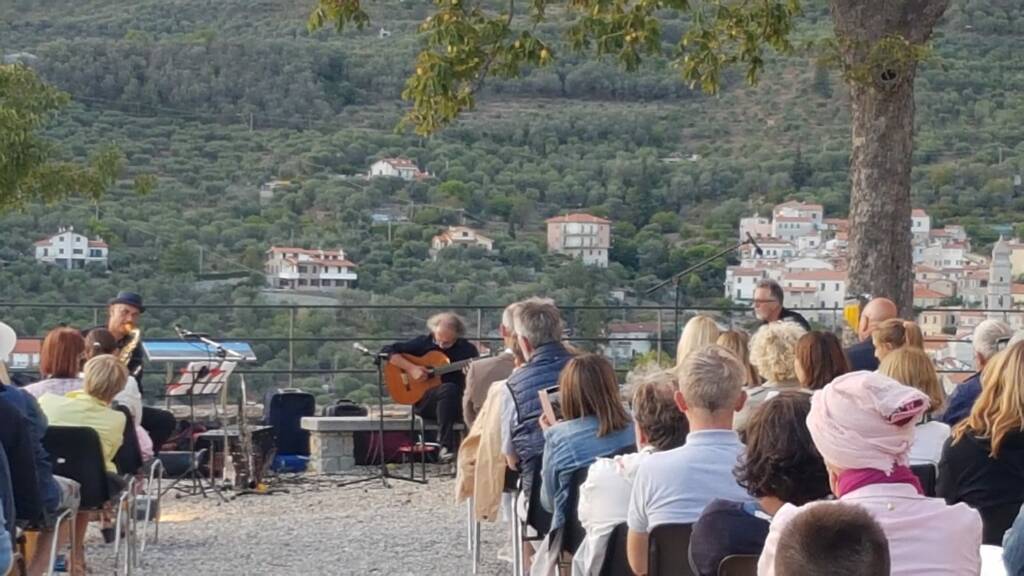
(757, 249)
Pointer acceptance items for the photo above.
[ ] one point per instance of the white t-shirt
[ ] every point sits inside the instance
(929, 438)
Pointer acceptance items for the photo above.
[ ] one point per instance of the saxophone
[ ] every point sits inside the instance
(134, 336)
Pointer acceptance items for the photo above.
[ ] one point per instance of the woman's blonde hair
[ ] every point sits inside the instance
(913, 367)
(699, 332)
(587, 387)
(105, 377)
(999, 410)
(896, 333)
(738, 342)
(773, 350)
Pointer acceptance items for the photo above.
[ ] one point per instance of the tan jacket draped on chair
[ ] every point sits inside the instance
(481, 464)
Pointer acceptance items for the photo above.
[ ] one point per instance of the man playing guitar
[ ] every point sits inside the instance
(443, 403)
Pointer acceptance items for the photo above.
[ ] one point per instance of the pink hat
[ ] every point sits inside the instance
(865, 420)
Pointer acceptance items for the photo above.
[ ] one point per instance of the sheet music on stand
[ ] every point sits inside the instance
(202, 379)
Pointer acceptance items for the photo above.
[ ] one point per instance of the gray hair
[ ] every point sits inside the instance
(508, 317)
(449, 320)
(987, 336)
(711, 378)
(538, 321)
(772, 287)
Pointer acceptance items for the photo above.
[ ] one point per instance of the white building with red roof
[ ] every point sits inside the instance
(71, 250)
(301, 269)
(629, 339)
(828, 286)
(460, 236)
(397, 168)
(582, 236)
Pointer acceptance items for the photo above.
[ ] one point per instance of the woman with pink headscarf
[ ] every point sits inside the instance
(863, 426)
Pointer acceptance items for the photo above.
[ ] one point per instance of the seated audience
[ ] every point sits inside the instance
(894, 334)
(836, 540)
(863, 426)
(604, 497)
(100, 341)
(1013, 546)
(983, 461)
(819, 359)
(912, 367)
(482, 374)
(768, 305)
(989, 338)
(57, 493)
(780, 466)
(595, 423)
(6, 548)
(674, 486)
(538, 327)
(699, 332)
(862, 354)
(60, 361)
(773, 353)
(738, 342)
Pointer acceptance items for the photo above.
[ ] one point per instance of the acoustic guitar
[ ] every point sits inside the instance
(406, 390)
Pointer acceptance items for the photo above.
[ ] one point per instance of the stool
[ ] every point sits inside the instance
(418, 451)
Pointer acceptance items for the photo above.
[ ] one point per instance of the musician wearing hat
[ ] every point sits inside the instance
(123, 314)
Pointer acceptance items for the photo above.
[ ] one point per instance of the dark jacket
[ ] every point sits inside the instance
(15, 438)
(960, 402)
(862, 356)
(539, 373)
(27, 406)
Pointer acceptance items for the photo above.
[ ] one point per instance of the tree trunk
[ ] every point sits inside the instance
(876, 40)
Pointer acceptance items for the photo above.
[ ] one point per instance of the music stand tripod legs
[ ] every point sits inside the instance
(383, 474)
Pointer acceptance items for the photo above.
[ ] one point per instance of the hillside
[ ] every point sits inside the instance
(215, 98)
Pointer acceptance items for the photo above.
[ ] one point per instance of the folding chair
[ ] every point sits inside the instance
(152, 508)
(77, 454)
(928, 475)
(738, 565)
(129, 456)
(616, 562)
(668, 551)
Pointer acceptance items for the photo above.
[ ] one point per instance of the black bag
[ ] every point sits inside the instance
(284, 409)
(344, 407)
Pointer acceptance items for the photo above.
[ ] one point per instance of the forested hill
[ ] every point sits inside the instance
(215, 97)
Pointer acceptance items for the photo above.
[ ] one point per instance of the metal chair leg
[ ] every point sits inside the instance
(56, 540)
(517, 537)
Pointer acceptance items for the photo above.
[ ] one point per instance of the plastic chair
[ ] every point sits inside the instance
(668, 551)
(616, 562)
(927, 475)
(129, 456)
(738, 565)
(572, 531)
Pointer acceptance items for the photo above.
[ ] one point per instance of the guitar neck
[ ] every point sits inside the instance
(454, 366)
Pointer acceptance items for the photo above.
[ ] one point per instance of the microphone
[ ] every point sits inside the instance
(362, 348)
(757, 249)
(180, 332)
(188, 334)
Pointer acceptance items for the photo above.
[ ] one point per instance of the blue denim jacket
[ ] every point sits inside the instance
(568, 446)
(1013, 547)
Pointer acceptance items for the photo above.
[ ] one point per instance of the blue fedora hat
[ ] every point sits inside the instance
(129, 298)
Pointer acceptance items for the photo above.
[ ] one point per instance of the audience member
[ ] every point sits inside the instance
(819, 359)
(768, 305)
(780, 466)
(863, 426)
(483, 373)
(738, 342)
(699, 332)
(836, 540)
(594, 423)
(894, 334)
(983, 461)
(100, 341)
(57, 493)
(674, 486)
(862, 355)
(773, 353)
(912, 367)
(60, 361)
(988, 339)
(1013, 546)
(604, 496)
(6, 548)
(538, 327)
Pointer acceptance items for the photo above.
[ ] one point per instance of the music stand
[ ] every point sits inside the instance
(383, 474)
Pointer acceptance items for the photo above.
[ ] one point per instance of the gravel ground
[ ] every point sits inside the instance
(317, 528)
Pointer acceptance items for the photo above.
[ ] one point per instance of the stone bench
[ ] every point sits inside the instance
(332, 439)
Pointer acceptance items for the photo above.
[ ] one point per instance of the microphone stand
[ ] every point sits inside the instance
(677, 279)
(383, 474)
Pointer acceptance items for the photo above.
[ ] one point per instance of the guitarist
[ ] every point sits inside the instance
(443, 403)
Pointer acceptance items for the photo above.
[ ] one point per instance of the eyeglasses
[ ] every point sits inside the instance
(766, 301)
(1001, 343)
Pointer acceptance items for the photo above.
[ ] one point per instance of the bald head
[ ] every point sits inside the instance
(875, 312)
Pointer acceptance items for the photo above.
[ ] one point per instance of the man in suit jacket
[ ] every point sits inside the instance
(483, 373)
(862, 354)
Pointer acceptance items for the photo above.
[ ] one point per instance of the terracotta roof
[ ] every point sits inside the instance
(820, 275)
(319, 262)
(306, 251)
(97, 244)
(400, 163)
(450, 234)
(922, 292)
(794, 219)
(918, 213)
(578, 217)
(925, 268)
(625, 327)
(798, 204)
(1017, 288)
(28, 346)
(746, 272)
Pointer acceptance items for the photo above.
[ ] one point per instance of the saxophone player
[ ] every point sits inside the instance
(123, 314)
